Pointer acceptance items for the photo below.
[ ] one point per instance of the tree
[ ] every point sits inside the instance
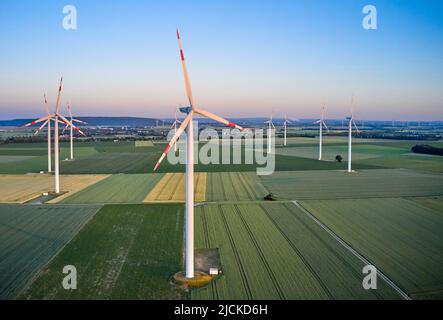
(338, 158)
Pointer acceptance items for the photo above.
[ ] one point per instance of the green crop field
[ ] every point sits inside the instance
(273, 251)
(402, 238)
(124, 157)
(30, 236)
(359, 151)
(417, 162)
(234, 186)
(8, 159)
(124, 252)
(113, 162)
(362, 184)
(40, 161)
(434, 203)
(118, 188)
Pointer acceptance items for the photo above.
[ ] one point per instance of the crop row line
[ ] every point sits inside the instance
(299, 254)
(214, 290)
(261, 254)
(327, 245)
(237, 255)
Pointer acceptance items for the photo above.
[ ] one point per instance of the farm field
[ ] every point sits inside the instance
(6, 159)
(113, 162)
(417, 162)
(125, 157)
(403, 238)
(30, 236)
(273, 251)
(327, 140)
(359, 151)
(434, 203)
(234, 186)
(172, 188)
(118, 188)
(364, 184)
(23, 188)
(135, 251)
(39, 161)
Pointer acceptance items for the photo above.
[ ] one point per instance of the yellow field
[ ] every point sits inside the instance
(23, 188)
(171, 188)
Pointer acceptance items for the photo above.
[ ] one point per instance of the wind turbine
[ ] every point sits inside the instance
(351, 122)
(174, 126)
(285, 125)
(71, 129)
(55, 117)
(188, 125)
(271, 126)
(322, 124)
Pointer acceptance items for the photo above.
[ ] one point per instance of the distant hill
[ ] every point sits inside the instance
(95, 121)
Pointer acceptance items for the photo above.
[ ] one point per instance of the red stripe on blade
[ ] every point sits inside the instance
(182, 55)
(167, 149)
(232, 125)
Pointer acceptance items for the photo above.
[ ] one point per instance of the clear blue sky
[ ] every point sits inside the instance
(245, 58)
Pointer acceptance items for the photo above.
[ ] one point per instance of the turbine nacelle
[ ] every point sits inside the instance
(186, 110)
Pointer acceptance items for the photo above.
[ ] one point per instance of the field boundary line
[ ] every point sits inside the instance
(385, 278)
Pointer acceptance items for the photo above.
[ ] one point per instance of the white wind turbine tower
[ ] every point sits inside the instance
(351, 123)
(71, 129)
(322, 124)
(270, 127)
(174, 126)
(285, 125)
(188, 125)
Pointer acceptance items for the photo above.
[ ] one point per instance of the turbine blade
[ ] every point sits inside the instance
(41, 127)
(79, 121)
(185, 72)
(36, 121)
(317, 122)
(69, 110)
(326, 127)
(57, 104)
(64, 129)
(46, 105)
(214, 117)
(356, 128)
(69, 123)
(174, 139)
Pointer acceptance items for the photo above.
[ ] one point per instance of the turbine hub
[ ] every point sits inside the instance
(185, 110)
